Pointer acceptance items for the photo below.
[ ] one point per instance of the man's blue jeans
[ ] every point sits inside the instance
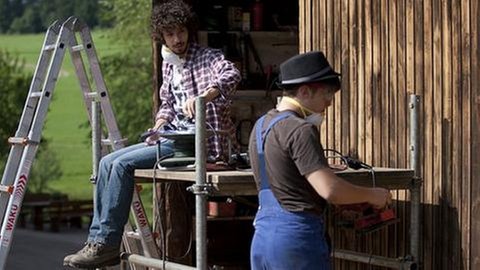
(114, 189)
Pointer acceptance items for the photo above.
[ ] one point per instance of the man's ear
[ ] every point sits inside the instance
(304, 91)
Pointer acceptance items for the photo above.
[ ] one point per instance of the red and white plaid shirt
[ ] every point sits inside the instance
(204, 68)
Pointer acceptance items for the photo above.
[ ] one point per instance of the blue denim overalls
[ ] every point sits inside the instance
(284, 240)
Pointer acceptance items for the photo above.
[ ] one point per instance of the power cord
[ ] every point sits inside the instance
(352, 163)
(162, 207)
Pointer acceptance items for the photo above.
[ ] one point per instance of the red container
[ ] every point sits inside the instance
(221, 209)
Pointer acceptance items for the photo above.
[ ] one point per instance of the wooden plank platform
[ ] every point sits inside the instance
(241, 182)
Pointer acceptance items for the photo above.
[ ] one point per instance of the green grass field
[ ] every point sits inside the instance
(62, 129)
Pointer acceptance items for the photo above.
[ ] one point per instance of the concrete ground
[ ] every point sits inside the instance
(43, 250)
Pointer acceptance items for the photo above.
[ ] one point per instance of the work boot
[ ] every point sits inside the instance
(94, 255)
(66, 260)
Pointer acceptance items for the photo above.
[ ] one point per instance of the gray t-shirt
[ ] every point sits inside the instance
(292, 150)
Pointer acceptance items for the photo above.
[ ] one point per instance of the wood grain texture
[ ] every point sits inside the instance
(387, 50)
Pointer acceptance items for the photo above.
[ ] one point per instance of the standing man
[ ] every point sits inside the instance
(292, 174)
(189, 71)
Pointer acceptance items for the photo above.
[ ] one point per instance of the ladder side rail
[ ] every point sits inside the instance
(101, 88)
(49, 87)
(38, 79)
(141, 221)
(15, 203)
(131, 246)
(81, 73)
(16, 150)
(21, 179)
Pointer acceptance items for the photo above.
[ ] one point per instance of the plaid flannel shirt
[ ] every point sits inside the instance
(204, 68)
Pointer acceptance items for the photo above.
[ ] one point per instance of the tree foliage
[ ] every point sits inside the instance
(13, 91)
(33, 16)
(45, 169)
(129, 73)
(15, 83)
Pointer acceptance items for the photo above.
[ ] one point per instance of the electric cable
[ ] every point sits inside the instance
(162, 207)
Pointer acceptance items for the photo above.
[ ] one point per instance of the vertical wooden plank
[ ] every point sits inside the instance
(314, 25)
(361, 78)
(475, 152)
(448, 230)
(352, 106)
(410, 21)
(330, 53)
(381, 141)
(457, 127)
(428, 127)
(346, 91)
(369, 78)
(410, 71)
(389, 124)
(437, 97)
(391, 154)
(466, 139)
(301, 26)
(419, 72)
(402, 116)
(321, 15)
(308, 25)
(419, 90)
(377, 87)
(401, 87)
(337, 37)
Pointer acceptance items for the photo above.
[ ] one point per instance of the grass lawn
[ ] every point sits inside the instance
(63, 127)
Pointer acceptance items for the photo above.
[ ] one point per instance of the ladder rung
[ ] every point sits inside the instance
(18, 140)
(36, 94)
(49, 47)
(106, 142)
(77, 48)
(121, 140)
(91, 95)
(8, 189)
(134, 235)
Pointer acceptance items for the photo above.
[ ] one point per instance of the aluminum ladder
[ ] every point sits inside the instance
(28, 135)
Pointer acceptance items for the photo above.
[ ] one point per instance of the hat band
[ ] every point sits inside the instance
(308, 78)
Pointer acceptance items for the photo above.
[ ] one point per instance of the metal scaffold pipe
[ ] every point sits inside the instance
(154, 263)
(417, 183)
(375, 260)
(200, 182)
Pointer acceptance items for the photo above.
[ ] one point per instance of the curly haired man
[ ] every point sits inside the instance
(189, 71)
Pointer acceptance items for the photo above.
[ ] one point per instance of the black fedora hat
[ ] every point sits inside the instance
(308, 67)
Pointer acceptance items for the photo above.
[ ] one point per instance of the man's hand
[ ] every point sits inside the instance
(152, 139)
(189, 107)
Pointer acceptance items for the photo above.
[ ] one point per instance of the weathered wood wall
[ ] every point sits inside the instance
(385, 51)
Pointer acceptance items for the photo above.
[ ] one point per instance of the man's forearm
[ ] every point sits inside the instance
(338, 191)
(159, 123)
(210, 94)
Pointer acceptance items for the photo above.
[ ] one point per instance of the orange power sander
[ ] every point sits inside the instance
(362, 216)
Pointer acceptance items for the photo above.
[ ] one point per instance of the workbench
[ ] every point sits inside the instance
(241, 183)
(238, 183)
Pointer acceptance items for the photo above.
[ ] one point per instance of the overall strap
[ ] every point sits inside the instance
(261, 135)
